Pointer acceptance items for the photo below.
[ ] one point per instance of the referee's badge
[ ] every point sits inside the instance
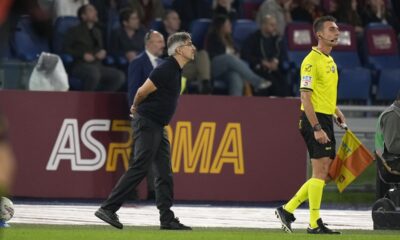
(333, 69)
(306, 81)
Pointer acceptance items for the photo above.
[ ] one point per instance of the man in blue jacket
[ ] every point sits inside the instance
(140, 67)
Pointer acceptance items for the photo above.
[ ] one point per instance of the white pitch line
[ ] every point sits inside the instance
(192, 215)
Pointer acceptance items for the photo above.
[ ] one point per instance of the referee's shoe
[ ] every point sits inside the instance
(321, 229)
(286, 219)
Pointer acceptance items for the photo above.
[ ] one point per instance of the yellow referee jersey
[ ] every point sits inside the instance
(319, 75)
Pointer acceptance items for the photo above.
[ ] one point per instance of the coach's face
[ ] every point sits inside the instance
(330, 33)
(187, 50)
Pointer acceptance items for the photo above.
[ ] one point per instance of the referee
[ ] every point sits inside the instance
(318, 88)
(152, 109)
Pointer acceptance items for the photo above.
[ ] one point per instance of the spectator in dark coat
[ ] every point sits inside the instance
(264, 56)
(128, 40)
(84, 42)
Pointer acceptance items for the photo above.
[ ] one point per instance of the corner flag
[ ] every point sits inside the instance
(351, 160)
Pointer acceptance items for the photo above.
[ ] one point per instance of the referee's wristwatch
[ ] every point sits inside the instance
(317, 127)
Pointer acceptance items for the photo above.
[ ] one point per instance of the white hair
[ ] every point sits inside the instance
(173, 47)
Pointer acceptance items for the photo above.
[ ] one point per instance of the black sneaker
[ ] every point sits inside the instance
(174, 225)
(109, 217)
(286, 219)
(321, 229)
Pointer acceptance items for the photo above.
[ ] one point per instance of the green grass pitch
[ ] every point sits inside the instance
(39, 232)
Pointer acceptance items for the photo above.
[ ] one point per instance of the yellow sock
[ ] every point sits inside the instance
(298, 198)
(315, 189)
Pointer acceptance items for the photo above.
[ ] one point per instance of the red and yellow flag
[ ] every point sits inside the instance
(351, 160)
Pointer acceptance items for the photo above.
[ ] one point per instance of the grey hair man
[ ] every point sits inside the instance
(153, 107)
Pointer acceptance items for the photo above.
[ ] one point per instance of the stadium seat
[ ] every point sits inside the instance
(381, 50)
(26, 43)
(157, 24)
(351, 74)
(345, 53)
(250, 8)
(61, 26)
(354, 84)
(298, 42)
(198, 30)
(382, 56)
(242, 28)
(388, 85)
(167, 3)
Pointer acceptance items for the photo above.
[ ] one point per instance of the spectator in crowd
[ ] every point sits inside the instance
(62, 8)
(84, 42)
(196, 72)
(148, 10)
(191, 10)
(280, 9)
(107, 11)
(307, 11)
(146, 61)
(347, 13)
(225, 64)
(128, 40)
(224, 7)
(264, 55)
(171, 23)
(375, 11)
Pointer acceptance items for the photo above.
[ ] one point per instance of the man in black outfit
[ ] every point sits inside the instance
(152, 109)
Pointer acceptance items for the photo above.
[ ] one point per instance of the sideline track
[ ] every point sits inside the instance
(194, 215)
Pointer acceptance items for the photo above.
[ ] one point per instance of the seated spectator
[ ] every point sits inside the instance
(128, 40)
(280, 9)
(84, 42)
(196, 72)
(148, 10)
(191, 10)
(331, 7)
(387, 141)
(171, 23)
(62, 8)
(375, 11)
(107, 10)
(224, 7)
(347, 13)
(225, 64)
(307, 11)
(146, 61)
(264, 55)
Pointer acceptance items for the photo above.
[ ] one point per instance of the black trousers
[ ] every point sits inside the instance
(151, 149)
(95, 76)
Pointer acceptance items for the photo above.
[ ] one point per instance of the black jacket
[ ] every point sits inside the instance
(257, 47)
(80, 40)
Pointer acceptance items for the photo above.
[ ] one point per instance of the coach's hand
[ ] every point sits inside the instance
(321, 137)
